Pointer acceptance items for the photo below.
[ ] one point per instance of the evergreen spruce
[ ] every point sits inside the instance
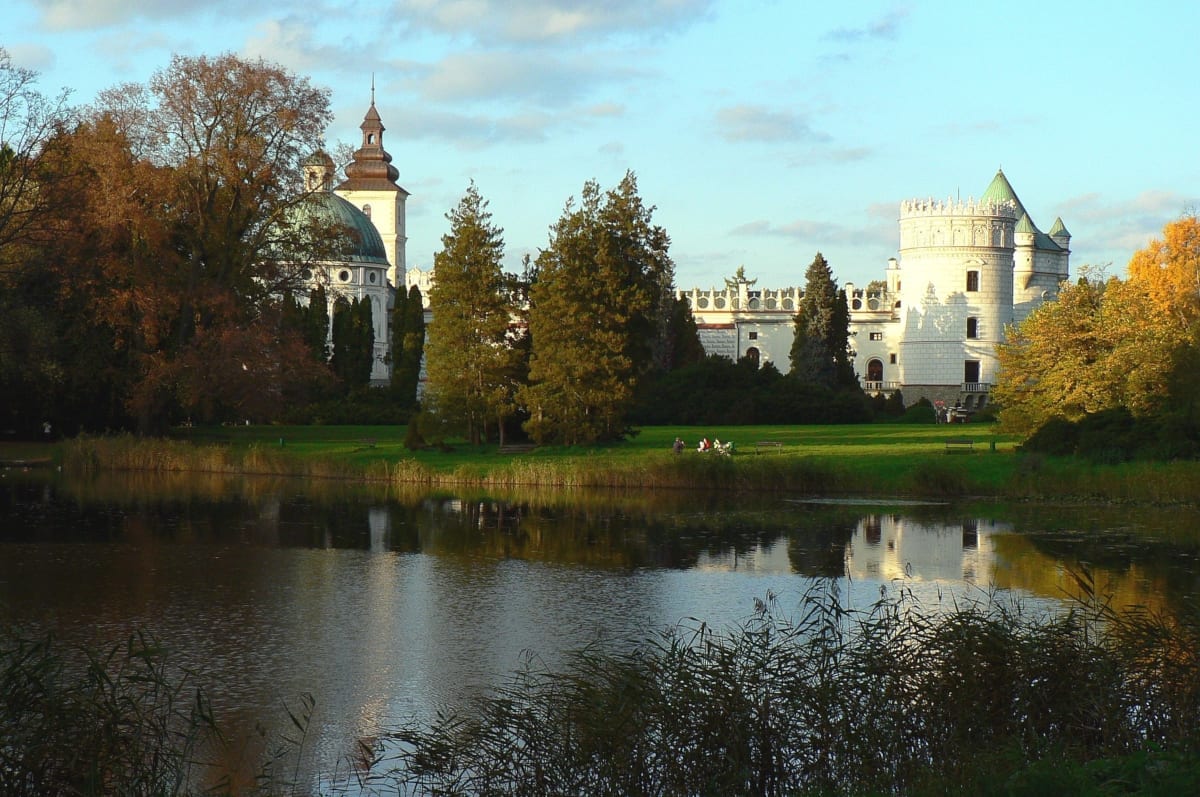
(408, 343)
(353, 342)
(470, 359)
(406, 367)
(820, 352)
(316, 324)
(599, 315)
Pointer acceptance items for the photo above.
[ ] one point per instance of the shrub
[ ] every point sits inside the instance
(921, 412)
(1057, 437)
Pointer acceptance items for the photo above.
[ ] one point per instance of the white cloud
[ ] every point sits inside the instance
(758, 123)
(822, 233)
(31, 56)
(534, 21)
(885, 28)
(532, 76)
(89, 14)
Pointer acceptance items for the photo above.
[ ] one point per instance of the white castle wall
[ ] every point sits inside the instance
(912, 334)
(941, 244)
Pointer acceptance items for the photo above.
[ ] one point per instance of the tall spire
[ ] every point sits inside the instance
(372, 167)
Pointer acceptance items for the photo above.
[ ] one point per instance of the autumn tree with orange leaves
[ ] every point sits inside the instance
(1112, 343)
(169, 242)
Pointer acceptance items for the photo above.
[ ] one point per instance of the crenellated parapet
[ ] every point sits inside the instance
(952, 207)
(736, 298)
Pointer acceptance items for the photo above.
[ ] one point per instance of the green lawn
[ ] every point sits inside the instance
(899, 460)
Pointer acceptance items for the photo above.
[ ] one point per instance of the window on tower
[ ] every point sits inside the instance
(972, 327)
(972, 281)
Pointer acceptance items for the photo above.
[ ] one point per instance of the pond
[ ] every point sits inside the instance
(386, 605)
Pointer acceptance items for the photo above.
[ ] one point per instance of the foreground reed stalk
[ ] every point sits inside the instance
(977, 697)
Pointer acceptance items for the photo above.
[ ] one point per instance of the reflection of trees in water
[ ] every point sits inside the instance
(818, 539)
(1141, 550)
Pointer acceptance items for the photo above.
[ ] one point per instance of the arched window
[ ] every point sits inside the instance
(874, 370)
(972, 327)
(752, 355)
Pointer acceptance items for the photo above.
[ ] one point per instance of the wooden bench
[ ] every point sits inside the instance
(959, 445)
(517, 448)
(762, 444)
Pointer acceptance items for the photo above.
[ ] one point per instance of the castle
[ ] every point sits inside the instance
(965, 271)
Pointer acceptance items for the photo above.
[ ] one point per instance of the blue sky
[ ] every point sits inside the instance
(763, 131)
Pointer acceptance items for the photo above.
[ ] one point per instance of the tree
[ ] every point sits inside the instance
(408, 346)
(686, 348)
(32, 367)
(353, 342)
(1168, 269)
(820, 349)
(223, 140)
(28, 120)
(599, 313)
(469, 356)
(1103, 344)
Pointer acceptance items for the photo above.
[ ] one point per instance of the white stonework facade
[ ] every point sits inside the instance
(371, 206)
(966, 271)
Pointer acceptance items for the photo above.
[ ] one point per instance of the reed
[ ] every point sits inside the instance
(114, 722)
(976, 698)
(881, 461)
(968, 696)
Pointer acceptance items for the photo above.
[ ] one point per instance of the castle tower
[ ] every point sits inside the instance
(370, 185)
(1040, 261)
(957, 260)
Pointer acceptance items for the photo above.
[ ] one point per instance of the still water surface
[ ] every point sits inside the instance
(385, 606)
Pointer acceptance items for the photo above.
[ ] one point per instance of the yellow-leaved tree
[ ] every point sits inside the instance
(1104, 343)
(1169, 270)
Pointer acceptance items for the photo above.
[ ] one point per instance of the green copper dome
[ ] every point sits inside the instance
(363, 244)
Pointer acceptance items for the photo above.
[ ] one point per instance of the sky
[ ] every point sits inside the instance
(762, 131)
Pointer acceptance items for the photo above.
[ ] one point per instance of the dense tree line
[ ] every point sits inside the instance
(592, 339)
(152, 253)
(1107, 369)
(154, 266)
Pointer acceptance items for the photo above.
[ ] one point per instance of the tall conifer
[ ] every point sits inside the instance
(469, 355)
(599, 315)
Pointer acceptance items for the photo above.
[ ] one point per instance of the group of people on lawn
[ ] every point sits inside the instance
(704, 446)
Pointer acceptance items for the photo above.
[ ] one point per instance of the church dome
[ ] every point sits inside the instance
(363, 244)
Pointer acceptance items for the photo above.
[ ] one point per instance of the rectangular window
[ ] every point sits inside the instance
(972, 281)
(971, 372)
(892, 359)
(753, 336)
(972, 327)
(876, 336)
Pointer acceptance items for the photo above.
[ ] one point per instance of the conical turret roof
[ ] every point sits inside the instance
(1001, 191)
(1059, 230)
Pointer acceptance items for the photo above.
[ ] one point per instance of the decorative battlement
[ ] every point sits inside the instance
(951, 207)
(731, 298)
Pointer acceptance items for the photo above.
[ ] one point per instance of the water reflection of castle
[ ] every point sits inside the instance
(886, 547)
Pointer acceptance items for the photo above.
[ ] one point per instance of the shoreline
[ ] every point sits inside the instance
(852, 474)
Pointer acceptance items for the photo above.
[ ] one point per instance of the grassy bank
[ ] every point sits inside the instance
(892, 460)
